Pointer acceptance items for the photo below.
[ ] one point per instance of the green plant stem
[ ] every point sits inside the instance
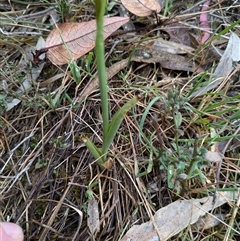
(168, 5)
(100, 8)
(109, 128)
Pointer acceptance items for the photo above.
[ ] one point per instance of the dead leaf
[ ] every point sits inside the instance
(231, 55)
(173, 218)
(78, 37)
(108, 164)
(167, 60)
(213, 156)
(93, 84)
(93, 216)
(179, 33)
(208, 221)
(129, 26)
(226, 65)
(142, 8)
(171, 47)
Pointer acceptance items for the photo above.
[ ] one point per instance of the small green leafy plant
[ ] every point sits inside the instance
(185, 161)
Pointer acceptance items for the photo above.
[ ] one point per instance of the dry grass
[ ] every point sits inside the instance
(47, 175)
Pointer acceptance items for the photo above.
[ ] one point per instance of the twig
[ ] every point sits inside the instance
(33, 15)
(191, 8)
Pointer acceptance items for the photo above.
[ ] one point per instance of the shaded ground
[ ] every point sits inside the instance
(47, 174)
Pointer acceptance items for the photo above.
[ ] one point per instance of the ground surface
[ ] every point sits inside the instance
(49, 178)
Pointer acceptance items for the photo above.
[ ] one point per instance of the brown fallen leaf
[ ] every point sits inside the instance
(79, 39)
(142, 8)
(167, 60)
(179, 33)
(171, 47)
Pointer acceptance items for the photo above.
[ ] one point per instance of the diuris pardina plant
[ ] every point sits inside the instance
(110, 127)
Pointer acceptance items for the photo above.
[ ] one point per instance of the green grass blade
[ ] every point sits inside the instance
(96, 152)
(75, 72)
(147, 110)
(116, 122)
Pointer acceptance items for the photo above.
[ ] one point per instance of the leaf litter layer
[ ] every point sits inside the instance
(48, 176)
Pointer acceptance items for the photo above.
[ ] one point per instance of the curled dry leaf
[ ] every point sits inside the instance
(142, 8)
(72, 40)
